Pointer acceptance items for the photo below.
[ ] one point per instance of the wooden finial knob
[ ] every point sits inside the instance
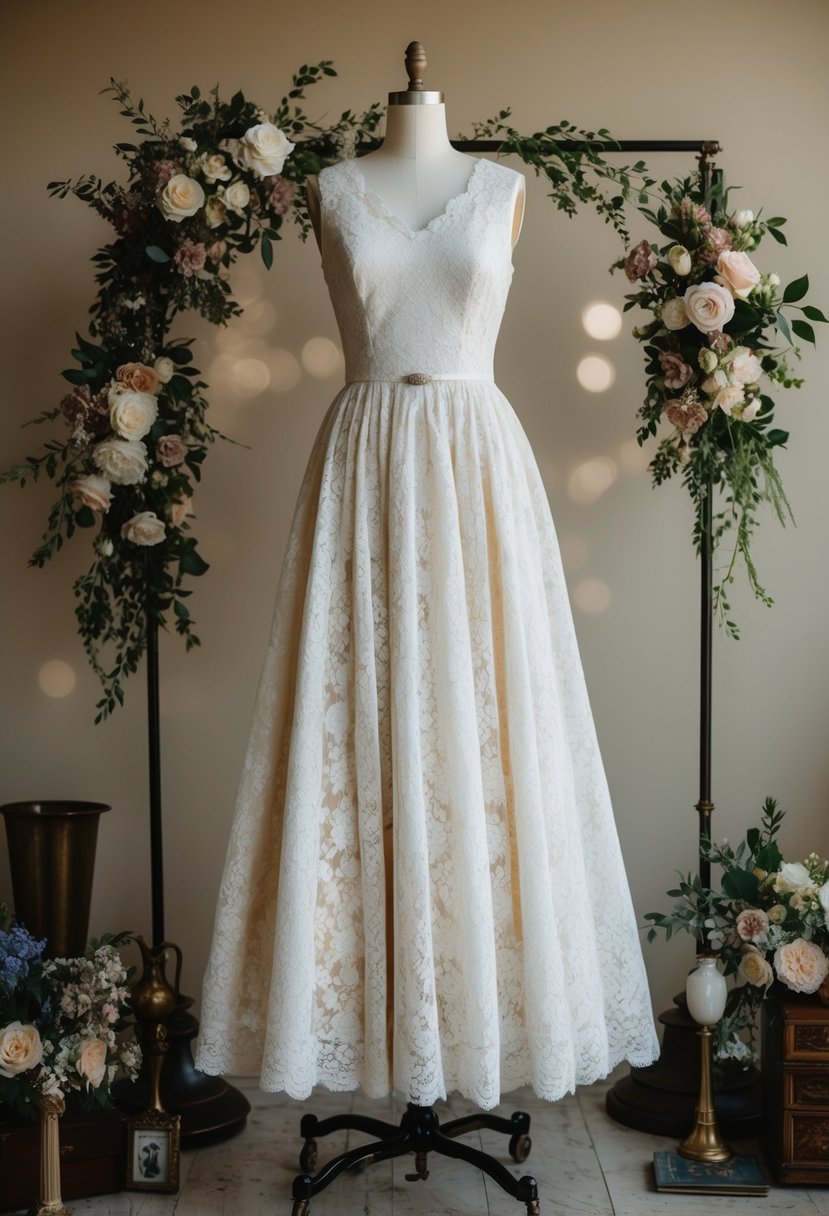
(415, 65)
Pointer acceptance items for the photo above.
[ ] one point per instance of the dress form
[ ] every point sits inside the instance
(416, 171)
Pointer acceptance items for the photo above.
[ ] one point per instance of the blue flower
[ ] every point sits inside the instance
(18, 951)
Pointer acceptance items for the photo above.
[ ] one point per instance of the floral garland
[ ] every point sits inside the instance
(196, 199)
(769, 921)
(709, 349)
(59, 1021)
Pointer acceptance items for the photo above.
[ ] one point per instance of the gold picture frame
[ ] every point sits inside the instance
(153, 1152)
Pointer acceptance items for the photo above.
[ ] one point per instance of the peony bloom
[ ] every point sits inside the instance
(717, 241)
(20, 1049)
(755, 968)
(123, 461)
(752, 924)
(180, 198)
(673, 314)
(686, 417)
(743, 366)
(190, 257)
(801, 965)
(93, 491)
(92, 1060)
(640, 261)
(679, 259)
(263, 149)
(739, 272)
(170, 450)
(709, 305)
(676, 370)
(164, 368)
(138, 377)
(131, 414)
(145, 528)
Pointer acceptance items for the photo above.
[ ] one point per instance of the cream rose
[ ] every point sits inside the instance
(739, 272)
(215, 168)
(801, 965)
(20, 1049)
(777, 914)
(131, 414)
(709, 306)
(180, 198)
(264, 149)
(679, 259)
(92, 1061)
(752, 924)
(145, 528)
(729, 398)
(743, 366)
(123, 461)
(236, 197)
(164, 368)
(93, 491)
(674, 315)
(795, 875)
(756, 969)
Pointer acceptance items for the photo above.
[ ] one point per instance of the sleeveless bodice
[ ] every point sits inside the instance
(418, 300)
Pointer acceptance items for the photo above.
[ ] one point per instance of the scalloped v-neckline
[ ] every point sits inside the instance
(395, 220)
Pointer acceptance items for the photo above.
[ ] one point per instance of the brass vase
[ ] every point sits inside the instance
(52, 856)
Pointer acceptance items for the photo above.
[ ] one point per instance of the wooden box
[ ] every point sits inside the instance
(796, 1088)
(93, 1157)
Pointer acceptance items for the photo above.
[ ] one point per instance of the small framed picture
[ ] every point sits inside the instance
(153, 1151)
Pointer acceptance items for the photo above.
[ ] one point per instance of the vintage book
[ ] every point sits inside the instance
(681, 1175)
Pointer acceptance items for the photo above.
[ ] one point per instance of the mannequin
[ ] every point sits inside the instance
(416, 171)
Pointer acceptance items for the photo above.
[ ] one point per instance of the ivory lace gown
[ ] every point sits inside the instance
(423, 887)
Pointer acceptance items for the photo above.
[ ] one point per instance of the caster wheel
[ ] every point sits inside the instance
(307, 1163)
(519, 1148)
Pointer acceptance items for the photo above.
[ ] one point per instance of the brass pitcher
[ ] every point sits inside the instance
(153, 999)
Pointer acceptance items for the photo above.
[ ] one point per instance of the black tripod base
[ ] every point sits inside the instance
(211, 1110)
(662, 1098)
(420, 1133)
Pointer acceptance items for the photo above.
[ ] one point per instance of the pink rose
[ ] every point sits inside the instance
(190, 257)
(709, 305)
(801, 965)
(170, 450)
(739, 272)
(92, 1061)
(138, 377)
(93, 491)
(640, 261)
(281, 195)
(676, 370)
(687, 418)
(752, 924)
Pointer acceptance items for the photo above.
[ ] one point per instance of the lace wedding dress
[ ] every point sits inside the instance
(423, 887)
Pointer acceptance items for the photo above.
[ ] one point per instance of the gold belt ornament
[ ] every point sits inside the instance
(417, 378)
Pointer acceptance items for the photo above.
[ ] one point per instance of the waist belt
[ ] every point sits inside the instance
(419, 378)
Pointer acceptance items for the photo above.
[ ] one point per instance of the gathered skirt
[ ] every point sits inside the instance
(424, 889)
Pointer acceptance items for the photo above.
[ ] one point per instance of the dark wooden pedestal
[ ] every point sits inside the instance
(796, 1088)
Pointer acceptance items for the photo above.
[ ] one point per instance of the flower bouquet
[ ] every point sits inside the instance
(712, 348)
(769, 922)
(59, 1022)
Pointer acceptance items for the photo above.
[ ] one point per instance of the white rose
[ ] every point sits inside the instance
(164, 368)
(93, 491)
(795, 875)
(131, 414)
(743, 366)
(145, 528)
(215, 168)
(739, 271)
(181, 197)
(674, 315)
(679, 260)
(236, 197)
(123, 461)
(823, 896)
(709, 306)
(188, 144)
(92, 1061)
(264, 149)
(20, 1049)
(741, 218)
(728, 398)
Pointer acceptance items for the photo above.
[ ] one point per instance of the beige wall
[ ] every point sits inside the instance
(751, 75)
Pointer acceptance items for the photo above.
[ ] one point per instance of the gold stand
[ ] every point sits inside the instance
(51, 1204)
(705, 1142)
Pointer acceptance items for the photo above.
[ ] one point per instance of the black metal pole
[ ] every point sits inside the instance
(705, 806)
(154, 742)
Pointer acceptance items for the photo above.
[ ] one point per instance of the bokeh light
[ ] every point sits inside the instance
(285, 369)
(589, 480)
(592, 596)
(602, 320)
(321, 357)
(574, 551)
(56, 678)
(595, 373)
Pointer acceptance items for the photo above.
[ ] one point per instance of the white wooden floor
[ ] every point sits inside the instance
(585, 1164)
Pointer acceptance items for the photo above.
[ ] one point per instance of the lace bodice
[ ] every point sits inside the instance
(418, 300)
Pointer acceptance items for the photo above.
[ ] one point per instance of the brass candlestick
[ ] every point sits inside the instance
(705, 1142)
